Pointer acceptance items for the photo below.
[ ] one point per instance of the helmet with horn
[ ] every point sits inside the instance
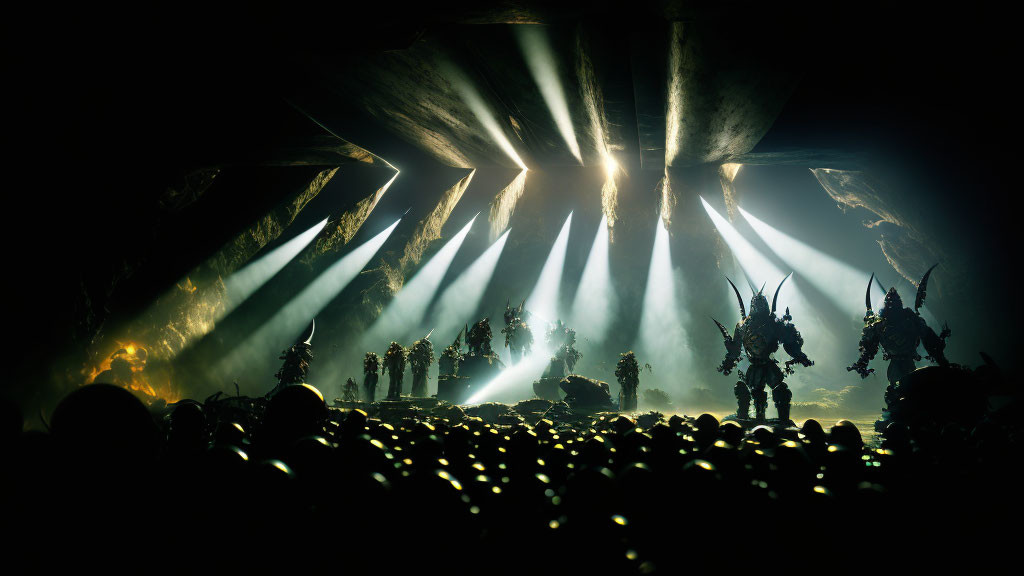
(867, 295)
(307, 334)
(892, 301)
(759, 304)
(739, 299)
(922, 289)
(775, 299)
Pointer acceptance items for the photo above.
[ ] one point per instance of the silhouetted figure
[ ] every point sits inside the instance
(108, 426)
(478, 338)
(371, 368)
(350, 393)
(518, 336)
(421, 356)
(562, 340)
(451, 356)
(899, 331)
(292, 413)
(627, 371)
(760, 335)
(394, 364)
(296, 361)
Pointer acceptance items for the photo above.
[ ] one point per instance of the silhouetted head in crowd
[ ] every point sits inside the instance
(296, 411)
(106, 427)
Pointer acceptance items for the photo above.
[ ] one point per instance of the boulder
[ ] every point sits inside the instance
(581, 392)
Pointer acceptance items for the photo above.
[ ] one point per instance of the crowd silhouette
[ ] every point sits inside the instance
(290, 483)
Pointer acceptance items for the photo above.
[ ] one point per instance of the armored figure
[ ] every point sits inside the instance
(350, 393)
(448, 364)
(296, 361)
(421, 356)
(899, 331)
(627, 372)
(760, 335)
(478, 338)
(394, 362)
(371, 367)
(565, 355)
(518, 337)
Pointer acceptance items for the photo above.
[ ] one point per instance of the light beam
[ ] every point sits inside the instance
(483, 114)
(515, 382)
(661, 338)
(406, 311)
(838, 281)
(245, 282)
(540, 60)
(462, 297)
(543, 300)
(281, 329)
(594, 305)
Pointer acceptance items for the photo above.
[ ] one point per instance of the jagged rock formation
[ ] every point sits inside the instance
(191, 309)
(908, 248)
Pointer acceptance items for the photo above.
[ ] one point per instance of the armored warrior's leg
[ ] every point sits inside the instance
(419, 385)
(782, 396)
(760, 395)
(742, 400)
(898, 368)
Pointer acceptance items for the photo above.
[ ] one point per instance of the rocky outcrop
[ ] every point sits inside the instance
(909, 249)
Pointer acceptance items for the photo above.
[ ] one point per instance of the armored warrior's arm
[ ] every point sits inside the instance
(934, 344)
(793, 343)
(733, 347)
(869, 340)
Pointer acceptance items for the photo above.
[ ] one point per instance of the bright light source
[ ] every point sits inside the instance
(595, 302)
(461, 298)
(406, 311)
(540, 59)
(483, 113)
(610, 166)
(543, 301)
(662, 339)
(245, 282)
(282, 329)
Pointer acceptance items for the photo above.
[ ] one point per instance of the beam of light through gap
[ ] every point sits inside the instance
(281, 329)
(540, 59)
(462, 297)
(245, 282)
(662, 339)
(595, 305)
(515, 382)
(406, 311)
(843, 284)
(543, 300)
(483, 113)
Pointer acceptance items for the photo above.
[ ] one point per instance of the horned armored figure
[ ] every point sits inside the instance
(518, 337)
(899, 331)
(296, 361)
(760, 335)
